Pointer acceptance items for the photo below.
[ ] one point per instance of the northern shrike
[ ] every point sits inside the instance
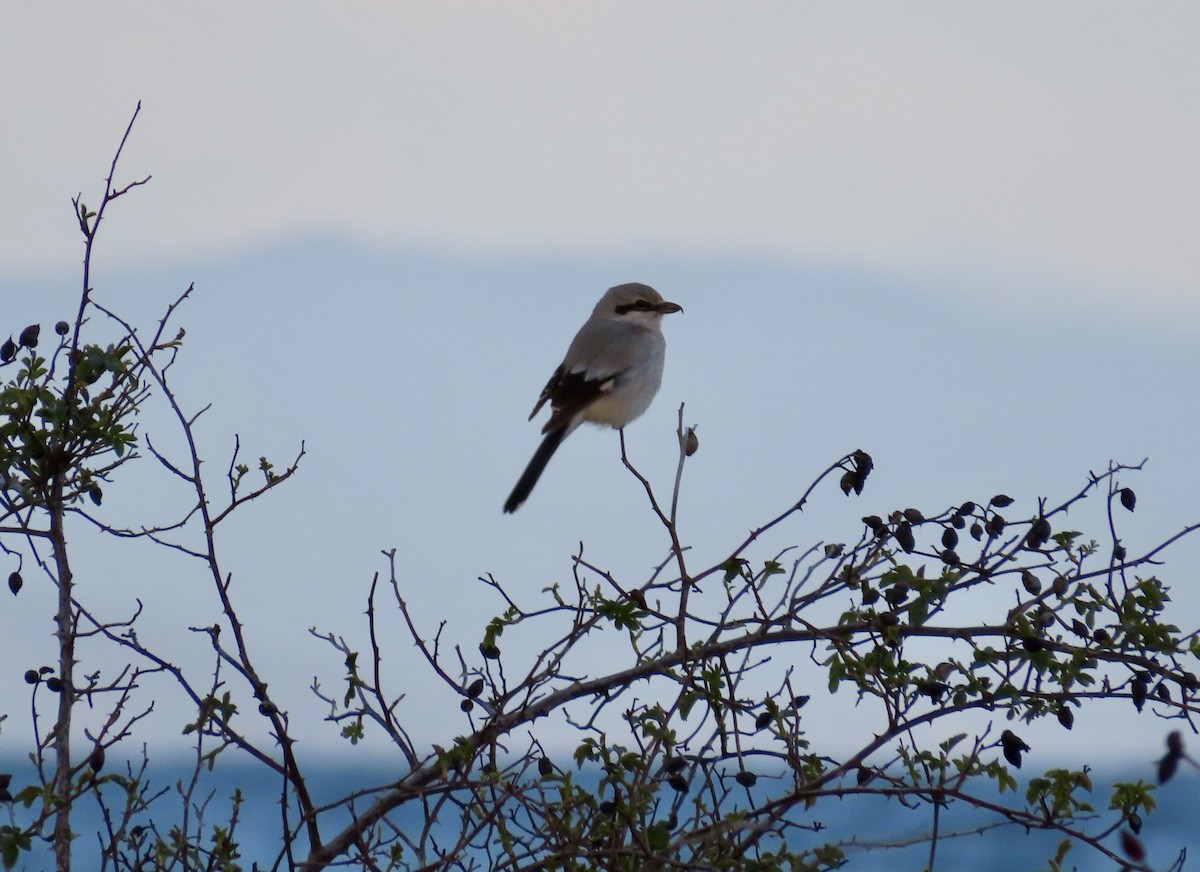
(610, 374)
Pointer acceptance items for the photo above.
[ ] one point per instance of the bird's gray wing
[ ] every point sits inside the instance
(590, 369)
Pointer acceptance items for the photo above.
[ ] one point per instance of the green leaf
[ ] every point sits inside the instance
(659, 836)
(685, 704)
(733, 567)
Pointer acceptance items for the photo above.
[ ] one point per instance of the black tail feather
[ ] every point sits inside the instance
(534, 470)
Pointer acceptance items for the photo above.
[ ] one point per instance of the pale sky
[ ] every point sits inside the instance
(1059, 136)
(961, 236)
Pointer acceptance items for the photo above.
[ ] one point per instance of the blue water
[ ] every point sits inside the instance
(1172, 832)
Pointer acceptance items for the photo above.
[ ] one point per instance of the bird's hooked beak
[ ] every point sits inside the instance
(666, 308)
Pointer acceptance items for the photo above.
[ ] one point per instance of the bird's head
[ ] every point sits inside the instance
(635, 303)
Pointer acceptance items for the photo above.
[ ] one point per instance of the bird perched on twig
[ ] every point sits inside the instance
(610, 374)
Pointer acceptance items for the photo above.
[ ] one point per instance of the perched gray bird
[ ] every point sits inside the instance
(610, 374)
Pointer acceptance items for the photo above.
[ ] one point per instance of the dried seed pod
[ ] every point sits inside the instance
(1038, 535)
(1132, 846)
(746, 779)
(1138, 688)
(1175, 743)
(1128, 498)
(15, 582)
(1166, 767)
(935, 690)
(1066, 717)
(691, 442)
(29, 336)
(1001, 501)
(1013, 747)
(854, 479)
(1030, 582)
(949, 538)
